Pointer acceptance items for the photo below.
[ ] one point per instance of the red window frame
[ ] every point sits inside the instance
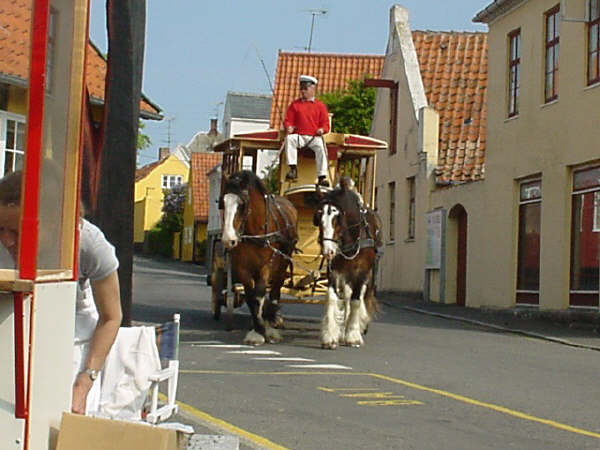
(593, 33)
(528, 255)
(514, 71)
(551, 53)
(584, 286)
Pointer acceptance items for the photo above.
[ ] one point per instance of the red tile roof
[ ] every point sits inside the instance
(15, 22)
(332, 70)
(454, 72)
(145, 170)
(201, 164)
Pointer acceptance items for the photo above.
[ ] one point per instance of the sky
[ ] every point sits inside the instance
(198, 50)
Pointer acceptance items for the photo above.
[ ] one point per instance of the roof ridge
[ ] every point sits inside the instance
(341, 55)
(249, 94)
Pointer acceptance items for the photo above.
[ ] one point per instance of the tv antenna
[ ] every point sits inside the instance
(170, 121)
(314, 13)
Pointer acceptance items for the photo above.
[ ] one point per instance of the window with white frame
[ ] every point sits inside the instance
(12, 144)
(169, 181)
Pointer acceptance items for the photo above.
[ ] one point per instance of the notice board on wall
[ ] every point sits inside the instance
(434, 221)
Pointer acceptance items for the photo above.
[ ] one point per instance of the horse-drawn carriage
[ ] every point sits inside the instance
(305, 279)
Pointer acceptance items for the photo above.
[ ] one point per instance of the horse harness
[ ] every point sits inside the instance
(351, 251)
(268, 238)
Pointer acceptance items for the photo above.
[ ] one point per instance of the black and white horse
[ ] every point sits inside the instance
(260, 232)
(349, 234)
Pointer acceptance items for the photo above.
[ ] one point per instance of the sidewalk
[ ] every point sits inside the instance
(577, 328)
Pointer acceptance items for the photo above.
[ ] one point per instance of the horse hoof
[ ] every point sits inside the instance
(272, 336)
(278, 322)
(254, 338)
(329, 345)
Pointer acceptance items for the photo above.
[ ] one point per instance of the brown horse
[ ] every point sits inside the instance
(260, 232)
(349, 234)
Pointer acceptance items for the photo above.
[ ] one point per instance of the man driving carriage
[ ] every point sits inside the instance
(306, 121)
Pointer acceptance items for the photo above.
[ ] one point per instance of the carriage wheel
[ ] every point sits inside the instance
(229, 303)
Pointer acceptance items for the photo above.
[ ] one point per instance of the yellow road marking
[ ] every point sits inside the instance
(389, 402)
(373, 395)
(491, 406)
(226, 426)
(345, 389)
(461, 398)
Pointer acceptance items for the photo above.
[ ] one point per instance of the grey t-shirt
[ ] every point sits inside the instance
(97, 260)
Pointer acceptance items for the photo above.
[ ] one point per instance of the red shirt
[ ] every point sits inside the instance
(307, 116)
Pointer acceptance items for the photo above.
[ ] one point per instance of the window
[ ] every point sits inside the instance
(168, 181)
(584, 237)
(514, 72)
(593, 27)
(528, 262)
(13, 137)
(411, 208)
(392, 188)
(552, 20)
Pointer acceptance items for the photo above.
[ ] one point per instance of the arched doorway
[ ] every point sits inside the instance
(458, 243)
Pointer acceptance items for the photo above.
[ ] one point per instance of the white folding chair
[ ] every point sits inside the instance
(167, 341)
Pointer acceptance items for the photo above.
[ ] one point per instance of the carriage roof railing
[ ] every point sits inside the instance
(272, 140)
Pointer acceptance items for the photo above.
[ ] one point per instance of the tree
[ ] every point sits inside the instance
(352, 108)
(143, 141)
(160, 237)
(173, 204)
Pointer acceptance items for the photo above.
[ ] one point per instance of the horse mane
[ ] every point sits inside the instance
(344, 191)
(244, 180)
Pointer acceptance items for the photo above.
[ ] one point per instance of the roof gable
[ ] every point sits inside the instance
(453, 68)
(201, 164)
(15, 24)
(332, 70)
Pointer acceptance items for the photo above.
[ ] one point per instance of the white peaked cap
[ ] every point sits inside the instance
(308, 78)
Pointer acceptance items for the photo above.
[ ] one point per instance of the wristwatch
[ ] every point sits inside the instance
(92, 373)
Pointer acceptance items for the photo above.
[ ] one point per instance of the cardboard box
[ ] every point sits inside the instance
(79, 432)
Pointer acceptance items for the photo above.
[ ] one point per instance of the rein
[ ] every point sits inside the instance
(265, 239)
(359, 243)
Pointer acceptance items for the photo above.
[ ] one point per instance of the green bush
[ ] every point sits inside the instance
(200, 251)
(160, 241)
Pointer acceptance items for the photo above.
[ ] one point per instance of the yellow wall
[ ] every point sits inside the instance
(187, 253)
(544, 140)
(547, 139)
(149, 191)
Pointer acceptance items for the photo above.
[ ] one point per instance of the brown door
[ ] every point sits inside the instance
(461, 258)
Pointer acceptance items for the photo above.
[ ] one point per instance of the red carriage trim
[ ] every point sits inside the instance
(363, 141)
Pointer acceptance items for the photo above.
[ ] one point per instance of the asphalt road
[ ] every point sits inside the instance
(420, 382)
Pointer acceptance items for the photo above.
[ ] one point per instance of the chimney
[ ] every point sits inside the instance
(213, 128)
(163, 152)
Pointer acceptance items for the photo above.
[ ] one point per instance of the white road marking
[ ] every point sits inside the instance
(256, 352)
(283, 358)
(222, 346)
(319, 366)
